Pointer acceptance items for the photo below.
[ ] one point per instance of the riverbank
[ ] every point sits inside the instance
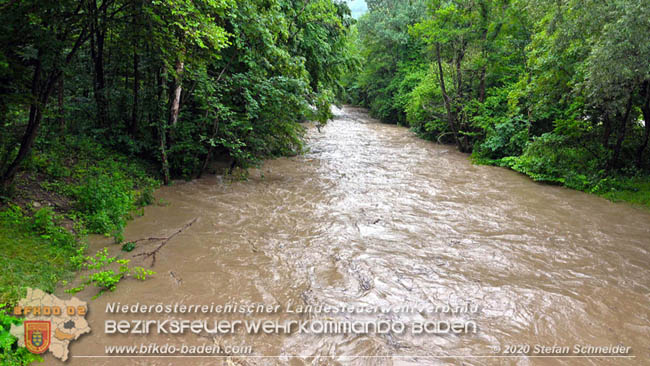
(68, 188)
(553, 160)
(634, 190)
(568, 113)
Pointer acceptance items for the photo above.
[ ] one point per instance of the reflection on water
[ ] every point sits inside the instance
(373, 216)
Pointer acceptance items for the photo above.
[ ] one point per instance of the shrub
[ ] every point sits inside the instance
(10, 353)
(555, 159)
(425, 111)
(503, 137)
(46, 223)
(105, 202)
(104, 278)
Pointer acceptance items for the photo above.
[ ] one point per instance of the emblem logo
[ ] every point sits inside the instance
(37, 335)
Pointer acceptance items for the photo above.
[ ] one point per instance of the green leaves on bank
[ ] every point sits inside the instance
(180, 83)
(556, 90)
(10, 353)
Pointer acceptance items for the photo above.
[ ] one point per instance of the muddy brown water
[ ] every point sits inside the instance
(374, 216)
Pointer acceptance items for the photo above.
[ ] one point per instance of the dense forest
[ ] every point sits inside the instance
(173, 82)
(557, 90)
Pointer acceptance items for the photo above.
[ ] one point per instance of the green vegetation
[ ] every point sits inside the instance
(105, 278)
(10, 353)
(80, 187)
(100, 102)
(101, 187)
(36, 252)
(103, 101)
(128, 246)
(175, 83)
(555, 90)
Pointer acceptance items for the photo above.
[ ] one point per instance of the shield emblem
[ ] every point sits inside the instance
(37, 335)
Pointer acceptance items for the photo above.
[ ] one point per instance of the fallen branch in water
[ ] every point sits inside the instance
(164, 241)
(153, 238)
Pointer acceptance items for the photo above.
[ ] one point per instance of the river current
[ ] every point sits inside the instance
(374, 217)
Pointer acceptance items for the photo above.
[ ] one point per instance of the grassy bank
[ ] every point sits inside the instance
(632, 190)
(615, 187)
(68, 188)
(36, 251)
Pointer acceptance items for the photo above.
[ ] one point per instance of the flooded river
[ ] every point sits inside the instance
(372, 216)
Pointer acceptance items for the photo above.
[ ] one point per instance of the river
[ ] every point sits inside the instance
(374, 216)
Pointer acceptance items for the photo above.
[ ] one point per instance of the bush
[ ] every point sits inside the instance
(10, 353)
(104, 278)
(46, 224)
(425, 112)
(629, 189)
(554, 159)
(105, 201)
(145, 196)
(505, 132)
(503, 137)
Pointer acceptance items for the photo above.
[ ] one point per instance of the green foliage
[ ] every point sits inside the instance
(424, 113)
(626, 189)
(323, 112)
(105, 186)
(555, 90)
(186, 83)
(390, 57)
(10, 353)
(35, 252)
(46, 224)
(504, 137)
(145, 196)
(79, 257)
(141, 274)
(128, 246)
(553, 158)
(105, 201)
(104, 278)
(505, 133)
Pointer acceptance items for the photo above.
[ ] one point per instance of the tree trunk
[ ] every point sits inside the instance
(208, 156)
(176, 94)
(162, 135)
(40, 96)
(100, 92)
(133, 126)
(451, 120)
(484, 11)
(646, 120)
(61, 117)
(621, 134)
(459, 73)
(607, 130)
(98, 35)
(481, 86)
(161, 124)
(135, 23)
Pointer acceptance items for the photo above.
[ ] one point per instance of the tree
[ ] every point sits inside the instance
(39, 38)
